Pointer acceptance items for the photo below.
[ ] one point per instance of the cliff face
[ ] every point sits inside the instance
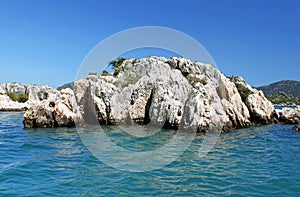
(170, 93)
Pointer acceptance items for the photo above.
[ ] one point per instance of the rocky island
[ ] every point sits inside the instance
(174, 93)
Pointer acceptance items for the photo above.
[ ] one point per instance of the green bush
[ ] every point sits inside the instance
(22, 98)
(128, 80)
(134, 61)
(203, 81)
(117, 65)
(131, 80)
(105, 73)
(118, 62)
(12, 96)
(117, 83)
(193, 80)
(117, 71)
(243, 90)
(232, 78)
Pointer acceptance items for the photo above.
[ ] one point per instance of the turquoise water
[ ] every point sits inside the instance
(261, 161)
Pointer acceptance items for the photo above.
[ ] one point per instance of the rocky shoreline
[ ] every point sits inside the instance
(175, 93)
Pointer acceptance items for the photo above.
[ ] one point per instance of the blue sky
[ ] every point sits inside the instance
(45, 41)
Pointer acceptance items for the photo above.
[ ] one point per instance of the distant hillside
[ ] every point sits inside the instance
(67, 85)
(285, 86)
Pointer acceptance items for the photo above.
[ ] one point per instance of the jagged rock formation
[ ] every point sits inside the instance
(260, 108)
(171, 93)
(46, 107)
(34, 93)
(290, 115)
(57, 111)
(6, 103)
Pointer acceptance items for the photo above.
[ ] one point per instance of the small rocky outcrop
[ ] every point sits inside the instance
(46, 107)
(296, 128)
(6, 103)
(55, 111)
(34, 94)
(260, 108)
(289, 115)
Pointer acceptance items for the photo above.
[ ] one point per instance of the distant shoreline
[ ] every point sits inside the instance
(13, 110)
(23, 110)
(283, 106)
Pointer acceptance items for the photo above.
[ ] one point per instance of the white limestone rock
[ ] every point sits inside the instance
(290, 115)
(60, 110)
(171, 93)
(176, 93)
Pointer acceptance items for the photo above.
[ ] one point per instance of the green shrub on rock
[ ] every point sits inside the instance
(128, 80)
(232, 78)
(117, 83)
(22, 98)
(105, 73)
(117, 65)
(243, 90)
(193, 80)
(12, 96)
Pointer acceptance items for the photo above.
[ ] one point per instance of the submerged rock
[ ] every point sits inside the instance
(296, 128)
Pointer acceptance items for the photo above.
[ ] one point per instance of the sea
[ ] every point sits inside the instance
(256, 161)
(284, 106)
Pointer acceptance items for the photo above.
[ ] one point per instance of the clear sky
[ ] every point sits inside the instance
(45, 41)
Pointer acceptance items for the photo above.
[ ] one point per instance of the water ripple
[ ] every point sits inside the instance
(258, 161)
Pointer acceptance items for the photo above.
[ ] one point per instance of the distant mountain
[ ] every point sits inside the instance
(67, 85)
(285, 86)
